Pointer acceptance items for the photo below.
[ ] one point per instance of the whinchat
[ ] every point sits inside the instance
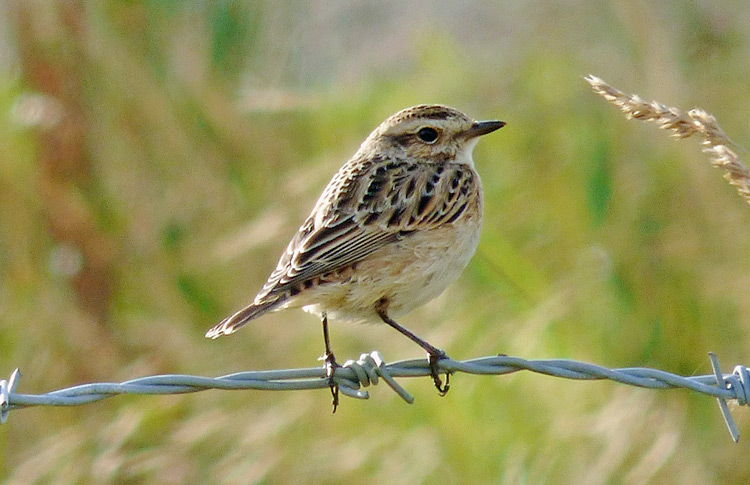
(394, 227)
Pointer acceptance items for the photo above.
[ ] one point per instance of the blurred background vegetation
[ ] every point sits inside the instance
(156, 156)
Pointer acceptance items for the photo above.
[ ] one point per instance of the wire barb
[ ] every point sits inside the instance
(367, 370)
(6, 389)
(738, 386)
(370, 368)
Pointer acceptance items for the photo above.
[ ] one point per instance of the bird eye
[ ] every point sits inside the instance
(428, 135)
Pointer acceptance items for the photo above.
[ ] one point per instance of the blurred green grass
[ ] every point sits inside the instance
(157, 156)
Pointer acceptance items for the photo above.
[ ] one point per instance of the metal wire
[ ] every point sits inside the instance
(366, 371)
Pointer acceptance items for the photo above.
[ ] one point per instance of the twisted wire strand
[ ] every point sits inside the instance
(370, 368)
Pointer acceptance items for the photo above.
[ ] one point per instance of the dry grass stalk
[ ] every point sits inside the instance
(694, 122)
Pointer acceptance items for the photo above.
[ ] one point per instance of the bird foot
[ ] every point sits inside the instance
(331, 365)
(433, 359)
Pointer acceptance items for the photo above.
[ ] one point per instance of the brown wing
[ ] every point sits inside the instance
(362, 212)
(366, 206)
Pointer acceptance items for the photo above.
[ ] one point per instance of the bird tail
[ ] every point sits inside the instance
(240, 318)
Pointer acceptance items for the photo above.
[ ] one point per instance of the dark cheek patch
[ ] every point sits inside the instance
(402, 140)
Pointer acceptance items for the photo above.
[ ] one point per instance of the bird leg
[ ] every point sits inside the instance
(434, 354)
(330, 364)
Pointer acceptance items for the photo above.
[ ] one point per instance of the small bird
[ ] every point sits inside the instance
(393, 228)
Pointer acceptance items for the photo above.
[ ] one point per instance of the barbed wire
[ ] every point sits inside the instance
(369, 368)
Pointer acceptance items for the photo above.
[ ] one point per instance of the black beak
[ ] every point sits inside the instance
(480, 128)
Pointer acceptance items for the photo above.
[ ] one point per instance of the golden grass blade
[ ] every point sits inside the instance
(694, 122)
